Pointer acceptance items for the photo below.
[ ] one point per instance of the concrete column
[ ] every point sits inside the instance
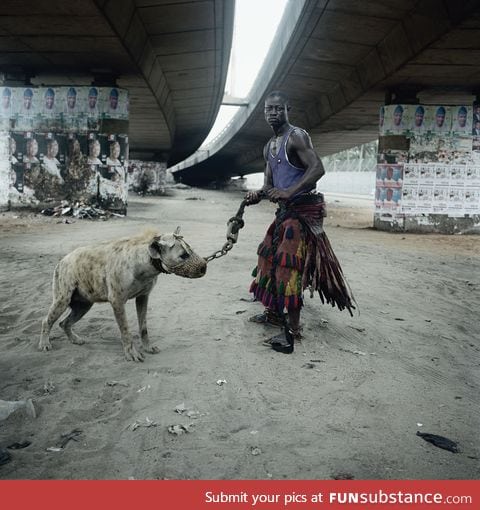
(63, 143)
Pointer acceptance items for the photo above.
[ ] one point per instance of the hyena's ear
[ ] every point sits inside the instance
(177, 231)
(154, 248)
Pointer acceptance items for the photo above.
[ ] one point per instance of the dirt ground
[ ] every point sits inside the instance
(347, 403)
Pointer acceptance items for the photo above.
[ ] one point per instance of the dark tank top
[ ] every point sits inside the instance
(284, 174)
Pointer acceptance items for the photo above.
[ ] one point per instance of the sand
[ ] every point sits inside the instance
(347, 402)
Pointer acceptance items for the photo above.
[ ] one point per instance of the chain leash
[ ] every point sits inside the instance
(234, 224)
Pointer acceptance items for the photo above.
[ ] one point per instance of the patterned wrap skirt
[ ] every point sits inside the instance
(295, 255)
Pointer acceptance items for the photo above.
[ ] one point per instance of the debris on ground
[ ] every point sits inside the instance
(255, 450)
(343, 476)
(79, 210)
(357, 328)
(439, 441)
(221, 382)
(116, 383)
(145, 423)
(19, 446)
(359, 353)
(181, 409)
(65, 438)
(49, 388)
(178, 429)
(308, 365)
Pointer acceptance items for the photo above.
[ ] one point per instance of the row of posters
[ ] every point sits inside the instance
(59, 108)
(427, 188)
(399, 119)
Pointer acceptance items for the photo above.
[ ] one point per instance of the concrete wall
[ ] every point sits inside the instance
(63, 143)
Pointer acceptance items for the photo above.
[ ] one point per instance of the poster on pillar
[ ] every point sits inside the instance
(440, 173)
(56, 149)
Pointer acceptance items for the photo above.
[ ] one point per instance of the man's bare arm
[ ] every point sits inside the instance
(253, 197)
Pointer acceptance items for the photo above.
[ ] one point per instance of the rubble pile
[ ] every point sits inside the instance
(79, 210)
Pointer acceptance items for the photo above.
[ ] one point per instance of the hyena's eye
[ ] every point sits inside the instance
(184, 255)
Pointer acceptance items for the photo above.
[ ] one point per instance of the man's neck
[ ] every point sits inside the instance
(281, 130)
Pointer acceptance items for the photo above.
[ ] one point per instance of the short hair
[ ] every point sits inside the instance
(398, 108)
(281, 95)
(462, 110)
(114, 93)
(71, 92)
(49, 92)
(27, 93)
(420, 109)
(93, 92)
(441, 111)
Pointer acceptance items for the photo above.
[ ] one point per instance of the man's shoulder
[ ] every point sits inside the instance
(299, 136)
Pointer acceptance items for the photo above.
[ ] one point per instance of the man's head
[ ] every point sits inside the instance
(389, 193)
(462, 116)
(49, 99)
(71, 98)
(52, 149)
(114, 150)
(389, 172)
(27, 99)
(92, 98)
(440, 116)
(477, 125)
(276, 109)
(397, 115)
(113, 99)
(6, 97)
(94, 149)
(419, 115)
(32, 148)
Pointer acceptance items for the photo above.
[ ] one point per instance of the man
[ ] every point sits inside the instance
(460, 125)
(92, 100)
(397, 124)
(113, 99)
(439, 124)
(71, 99)
(6, 99)
(50, 161)
(295, 253)
(31, 151)
(49, 99)
(418, 121)
(27, 99)
(94, 150)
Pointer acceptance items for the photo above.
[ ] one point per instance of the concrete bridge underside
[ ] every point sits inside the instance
(172, 56)
(344, 60)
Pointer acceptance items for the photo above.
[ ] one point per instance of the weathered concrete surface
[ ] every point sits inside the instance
(172, 57)
(342, 58)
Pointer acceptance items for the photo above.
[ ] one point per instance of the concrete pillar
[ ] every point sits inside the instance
(428, 171)
(63, 143)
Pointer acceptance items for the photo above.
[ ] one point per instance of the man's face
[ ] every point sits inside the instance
(27, 102)
(113, 102)
(418, 119)
(115, 150)
(95, 149)
(440, 119)
(397, 117)
(32, 148)
(389, 193)
(389, 173)
(71, 99)
(276, 113)
(462, 119)
(92, 101)
(52, 149)
(49, 100)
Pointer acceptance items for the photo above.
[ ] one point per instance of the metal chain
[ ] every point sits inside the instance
(234, 224)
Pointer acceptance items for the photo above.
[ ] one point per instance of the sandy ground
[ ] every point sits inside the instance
(347, 403)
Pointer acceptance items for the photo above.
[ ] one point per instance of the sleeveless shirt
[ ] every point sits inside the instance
(284, 174)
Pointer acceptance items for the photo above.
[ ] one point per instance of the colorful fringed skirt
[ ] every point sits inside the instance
(296, 254)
